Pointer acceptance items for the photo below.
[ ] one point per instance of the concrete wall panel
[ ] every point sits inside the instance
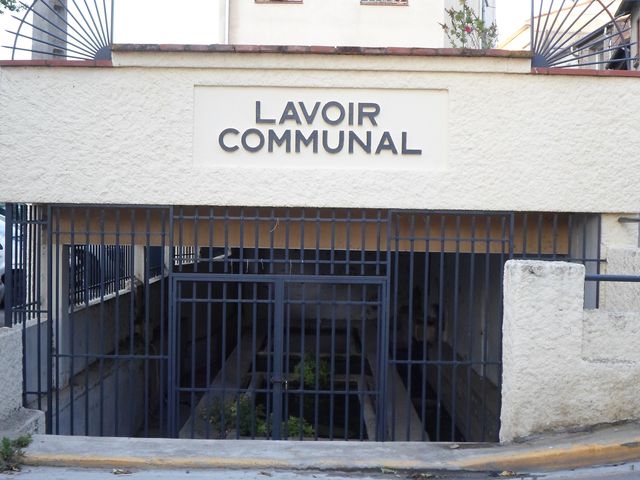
(516, 141)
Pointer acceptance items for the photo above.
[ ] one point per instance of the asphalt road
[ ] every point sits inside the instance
(620, 472)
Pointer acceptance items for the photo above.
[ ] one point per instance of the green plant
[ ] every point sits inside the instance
(467, 30)
(235, 413)
(11, 452)
(307, 369)
(239, 413)
(292, 427)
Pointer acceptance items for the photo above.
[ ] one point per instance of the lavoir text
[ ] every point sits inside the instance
(290, 132)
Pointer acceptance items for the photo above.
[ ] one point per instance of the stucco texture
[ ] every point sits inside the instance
(563, 367)
(10, 372)
(516, 141)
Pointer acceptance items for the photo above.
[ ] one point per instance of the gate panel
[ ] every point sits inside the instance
(277, 357)
(224, 339)
(333, 358)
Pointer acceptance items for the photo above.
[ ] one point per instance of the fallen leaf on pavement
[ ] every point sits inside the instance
(120, 471)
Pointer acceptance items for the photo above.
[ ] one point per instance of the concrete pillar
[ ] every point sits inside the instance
(13, 418)
(50, 16)
(563, 367)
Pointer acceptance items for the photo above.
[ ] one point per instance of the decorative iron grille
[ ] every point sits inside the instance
(581, 34)
(65, 29)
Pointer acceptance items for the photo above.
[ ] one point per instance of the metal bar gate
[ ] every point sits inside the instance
(231, 322)
(298, 365)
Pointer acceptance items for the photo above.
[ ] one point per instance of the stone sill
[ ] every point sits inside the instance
(322, 49)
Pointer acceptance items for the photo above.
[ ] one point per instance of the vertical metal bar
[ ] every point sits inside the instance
(411, 287)
(8, 274)
(192, 380)
(241, 243)
(256, 248)
(395, 327)
(540, 230)
(454, 355)
(287, 226)
(163, 324)
(303, 326)
(348, 364)
(426, 306)
(554, 233)
(239, 353)
(363, 242)
(207, 378)
(270, 354)
(102, 322)
(599, 254)
(570, 237)
(223, 353)
(316, 402)
(362, 386)
(118, 261)
(254, 354)
(470, 324)
(332, 369)
(196, 249)
(383, 349)
(440, 326)
(272, 240)
(347, 255)
(51, 318)
(171, 335)
(277, 359)
(132, 318)
(58, 296)
(302, 222)
(332, 254)
(286, 352)
(72, 253)
(317, 230)
(379, 241)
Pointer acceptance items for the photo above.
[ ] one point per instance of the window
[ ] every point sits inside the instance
(385, 2)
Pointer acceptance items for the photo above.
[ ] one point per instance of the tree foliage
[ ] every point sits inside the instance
(11, 5)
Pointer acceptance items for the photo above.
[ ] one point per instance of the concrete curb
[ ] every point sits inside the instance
(551, 458)
(552, 453)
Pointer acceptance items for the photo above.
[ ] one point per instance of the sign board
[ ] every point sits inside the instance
(320, 128)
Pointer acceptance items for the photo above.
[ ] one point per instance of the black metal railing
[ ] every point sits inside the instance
(394, 317)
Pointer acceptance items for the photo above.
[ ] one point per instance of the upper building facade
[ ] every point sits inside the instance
(370, 23)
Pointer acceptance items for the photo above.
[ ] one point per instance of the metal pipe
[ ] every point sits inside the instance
(227, 19)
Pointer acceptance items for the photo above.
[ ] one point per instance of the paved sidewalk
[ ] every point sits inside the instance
(619, 472)
(610, 445)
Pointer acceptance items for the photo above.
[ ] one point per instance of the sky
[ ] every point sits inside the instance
(159, 21)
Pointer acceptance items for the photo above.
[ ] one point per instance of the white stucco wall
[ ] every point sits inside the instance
(563, 367)
(13, 418)
(10, 371)
(515, 141)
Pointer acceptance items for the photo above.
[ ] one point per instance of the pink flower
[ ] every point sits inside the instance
(468, 29)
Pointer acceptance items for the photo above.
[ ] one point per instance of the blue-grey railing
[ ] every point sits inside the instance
(64, 29)
(593, 34)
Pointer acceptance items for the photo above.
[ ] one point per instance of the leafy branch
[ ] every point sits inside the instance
(467, 30)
